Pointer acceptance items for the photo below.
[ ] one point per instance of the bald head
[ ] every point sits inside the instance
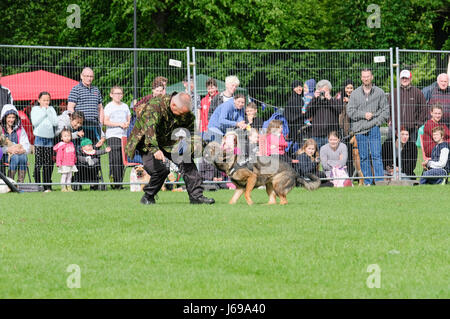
(181, 103)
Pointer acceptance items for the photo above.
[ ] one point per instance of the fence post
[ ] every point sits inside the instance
(392, 110)
(398, 113)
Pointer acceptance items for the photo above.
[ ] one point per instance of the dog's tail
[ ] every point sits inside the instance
(312, 184)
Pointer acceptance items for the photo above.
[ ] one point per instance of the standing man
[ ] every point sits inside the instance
(368, 109)
(413, 106)
(87, 98)
(441, 96)
(5, 94)
(154, 135)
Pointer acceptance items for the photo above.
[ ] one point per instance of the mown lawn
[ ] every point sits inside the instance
(318, 246)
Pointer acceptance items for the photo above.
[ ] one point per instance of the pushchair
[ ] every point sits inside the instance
(88, 174)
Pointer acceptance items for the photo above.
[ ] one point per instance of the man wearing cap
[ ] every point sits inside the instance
(156, 135)
(413, 106)
(441, 96)
(368, 109)
(5, 94)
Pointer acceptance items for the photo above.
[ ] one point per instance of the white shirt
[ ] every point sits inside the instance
(116, 114)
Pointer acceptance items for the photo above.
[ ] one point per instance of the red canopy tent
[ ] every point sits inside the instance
(27, 86)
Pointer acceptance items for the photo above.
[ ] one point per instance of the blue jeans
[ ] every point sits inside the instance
(18, 161)
(43, 141)
(369, 146)
(433, 172)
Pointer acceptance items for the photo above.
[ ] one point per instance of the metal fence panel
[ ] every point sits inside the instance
(415, 111)
(112, 66)
(266, 77)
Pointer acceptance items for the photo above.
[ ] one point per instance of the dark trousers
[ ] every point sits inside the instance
(115, 160)
(158, 171)
(44, 162)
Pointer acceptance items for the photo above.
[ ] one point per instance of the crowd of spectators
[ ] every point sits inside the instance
(312, 131)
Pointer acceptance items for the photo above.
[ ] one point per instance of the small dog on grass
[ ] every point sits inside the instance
(139, 176)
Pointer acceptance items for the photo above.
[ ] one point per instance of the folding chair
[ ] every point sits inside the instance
(125, 157)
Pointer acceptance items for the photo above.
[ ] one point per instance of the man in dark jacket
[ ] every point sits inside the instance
(156, 134)
(413, 106)
(324, 111)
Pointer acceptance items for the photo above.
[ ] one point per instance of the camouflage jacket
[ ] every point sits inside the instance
(154, 127)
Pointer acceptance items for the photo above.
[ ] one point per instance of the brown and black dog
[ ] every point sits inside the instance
(276, 175)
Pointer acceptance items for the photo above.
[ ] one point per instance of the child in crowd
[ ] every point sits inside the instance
(308, 162)
(439, 164)
(66, 159)
(44, 120)
(117, 120)
(308, 94)
(88, 162)
(273, 143)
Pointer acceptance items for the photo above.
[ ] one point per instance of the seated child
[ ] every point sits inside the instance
(439, 164)
(88, 162)
(308, 162)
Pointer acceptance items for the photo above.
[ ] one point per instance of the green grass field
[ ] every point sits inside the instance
(318, 246)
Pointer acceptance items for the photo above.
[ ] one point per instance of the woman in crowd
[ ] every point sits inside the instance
(16, 154)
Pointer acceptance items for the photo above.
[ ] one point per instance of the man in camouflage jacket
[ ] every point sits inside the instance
(156, 134)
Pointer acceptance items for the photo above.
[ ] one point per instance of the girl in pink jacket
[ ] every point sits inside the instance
(65, 159)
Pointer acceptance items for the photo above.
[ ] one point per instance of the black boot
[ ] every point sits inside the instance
(202, 200)
(148, 199)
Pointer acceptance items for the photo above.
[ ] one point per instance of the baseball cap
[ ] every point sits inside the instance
(405, 74)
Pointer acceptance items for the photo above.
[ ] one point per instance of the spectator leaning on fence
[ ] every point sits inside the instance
(231, 85)
(87, 98)
(368, 109)
(441, 95)
(229, 115)
(324, 112)
(343, 97)
(436, 116)
(413, 106)
(15, 154)
(5, 94)
(45, 121)
(439, 164)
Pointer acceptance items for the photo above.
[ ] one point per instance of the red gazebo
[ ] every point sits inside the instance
(26, 86)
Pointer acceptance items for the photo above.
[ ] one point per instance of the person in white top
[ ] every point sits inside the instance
(117, 119)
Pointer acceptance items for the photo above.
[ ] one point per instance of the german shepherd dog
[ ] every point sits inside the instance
(276, 175)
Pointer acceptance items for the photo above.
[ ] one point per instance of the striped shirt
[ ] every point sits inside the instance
(86, 100)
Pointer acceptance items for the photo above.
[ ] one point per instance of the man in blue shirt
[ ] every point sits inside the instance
(228, 115)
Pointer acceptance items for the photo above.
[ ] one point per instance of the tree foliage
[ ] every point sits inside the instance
(229, 24)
